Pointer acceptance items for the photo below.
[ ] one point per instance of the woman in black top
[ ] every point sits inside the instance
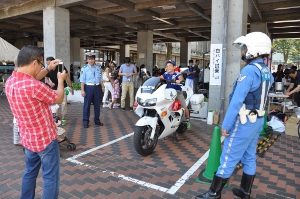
(279, 74)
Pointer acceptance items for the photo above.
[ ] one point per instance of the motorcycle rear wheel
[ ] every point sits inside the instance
(142, 142)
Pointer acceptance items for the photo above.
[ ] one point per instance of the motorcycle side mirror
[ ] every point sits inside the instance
(144, 70)
(184, 70)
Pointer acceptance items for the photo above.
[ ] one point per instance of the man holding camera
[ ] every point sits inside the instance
(52, 81)
(29, 100)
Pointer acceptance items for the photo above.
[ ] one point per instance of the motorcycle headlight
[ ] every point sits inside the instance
(147, 102)
(139, 101)
(151, 102)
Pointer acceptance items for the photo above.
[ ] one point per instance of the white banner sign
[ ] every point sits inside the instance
(215, 64)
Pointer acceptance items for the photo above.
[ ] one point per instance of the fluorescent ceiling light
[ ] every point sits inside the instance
(167, 7)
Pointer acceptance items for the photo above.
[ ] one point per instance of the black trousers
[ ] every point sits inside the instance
(297, 98)
(206, 86)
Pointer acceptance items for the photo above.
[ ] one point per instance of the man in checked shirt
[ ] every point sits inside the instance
(30, 102)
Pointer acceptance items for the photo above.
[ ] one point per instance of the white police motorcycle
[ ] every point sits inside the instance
(160, 114)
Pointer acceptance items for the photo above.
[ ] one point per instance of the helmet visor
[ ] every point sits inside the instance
(239, 45)
(239, 42)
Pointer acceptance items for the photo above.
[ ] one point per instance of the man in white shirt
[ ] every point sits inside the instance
(206, 77)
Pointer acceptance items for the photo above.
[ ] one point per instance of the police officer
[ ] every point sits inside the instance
(91, 78)
(244, 118)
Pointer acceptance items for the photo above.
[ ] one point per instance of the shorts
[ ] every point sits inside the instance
(180, 97)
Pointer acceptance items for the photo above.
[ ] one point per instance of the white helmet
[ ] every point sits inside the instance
(257, 44)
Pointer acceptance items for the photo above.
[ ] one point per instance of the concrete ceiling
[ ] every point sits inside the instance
(111, 22)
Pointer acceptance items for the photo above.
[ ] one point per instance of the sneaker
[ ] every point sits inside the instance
(63, 122)
(105, 105)
(131, 108)
(188, 125)
(116, 104)
(109, 106)
(123, 109)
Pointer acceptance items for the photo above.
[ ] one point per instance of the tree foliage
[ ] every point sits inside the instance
(295, 53)
(288, 47)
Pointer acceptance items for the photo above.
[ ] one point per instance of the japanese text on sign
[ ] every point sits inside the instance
(215, 64)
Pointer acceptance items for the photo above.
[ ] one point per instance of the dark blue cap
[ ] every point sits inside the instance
(172, 62)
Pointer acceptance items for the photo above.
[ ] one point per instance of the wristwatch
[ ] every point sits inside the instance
(47, 69)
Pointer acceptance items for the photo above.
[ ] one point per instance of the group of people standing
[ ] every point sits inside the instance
(30, 101)
(290, 78)
(92, 76)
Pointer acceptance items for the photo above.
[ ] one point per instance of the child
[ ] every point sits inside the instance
(16, 134)
(170, 74)
(60, 131)
(116, 94)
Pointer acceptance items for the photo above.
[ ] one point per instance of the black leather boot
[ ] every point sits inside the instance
(245, 188)
(215, 189)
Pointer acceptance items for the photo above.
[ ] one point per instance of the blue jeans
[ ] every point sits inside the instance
(49, 158)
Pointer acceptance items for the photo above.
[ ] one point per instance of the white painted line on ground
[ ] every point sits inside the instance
(171, 190)
(72, 159)
(142, 183)
(190, 172)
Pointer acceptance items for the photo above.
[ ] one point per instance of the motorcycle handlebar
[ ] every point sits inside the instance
(172, 82)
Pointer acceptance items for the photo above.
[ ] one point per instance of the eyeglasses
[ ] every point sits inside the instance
(41, 63)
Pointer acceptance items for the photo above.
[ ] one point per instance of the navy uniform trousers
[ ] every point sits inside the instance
(92, 95)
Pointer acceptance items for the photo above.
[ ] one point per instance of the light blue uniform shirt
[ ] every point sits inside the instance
(91, 74)
(249, 81)
(129, 70)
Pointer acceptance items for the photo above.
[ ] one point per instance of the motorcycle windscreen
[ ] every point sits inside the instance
(150, 85)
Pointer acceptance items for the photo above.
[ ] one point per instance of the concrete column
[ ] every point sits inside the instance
(82, 57)
(117, 57)
(261, 27)
(145, 49)
(75, 52)
(185, 53)
(236, 27)
(124, 52)
(203, 46)
(56, 23)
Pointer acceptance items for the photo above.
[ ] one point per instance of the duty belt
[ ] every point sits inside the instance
(91, 84)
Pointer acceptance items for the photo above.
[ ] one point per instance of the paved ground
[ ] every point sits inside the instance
(115, 170)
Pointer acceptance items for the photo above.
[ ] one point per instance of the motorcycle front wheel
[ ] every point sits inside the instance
(142, 142)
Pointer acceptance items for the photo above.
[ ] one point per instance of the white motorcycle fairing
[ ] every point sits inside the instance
(160, 115)
(164, 103)
(147, 120)
(189, 94)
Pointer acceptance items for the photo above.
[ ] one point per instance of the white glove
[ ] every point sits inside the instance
(243, 114)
